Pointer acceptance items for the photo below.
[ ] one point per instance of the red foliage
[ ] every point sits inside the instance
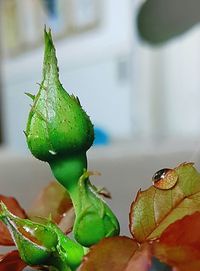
(110, 254)
(54, 201)
(14, 207)
(11, 261)
(179, 244)
(184, 232)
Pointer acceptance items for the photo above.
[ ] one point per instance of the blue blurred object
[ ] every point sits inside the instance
(54, 18)
(101, 137)
(50, 6)
(158, 266)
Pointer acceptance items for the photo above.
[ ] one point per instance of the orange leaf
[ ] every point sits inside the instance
(155, 209)
(14, 207)
(182, 258)
(54, 201)
(66, 223)
(141, 259)
(179, 244)
(118, 254)
(183, 232)
(11, 261)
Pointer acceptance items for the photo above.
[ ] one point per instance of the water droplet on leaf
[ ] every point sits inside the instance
(165, 179)
(52, 152)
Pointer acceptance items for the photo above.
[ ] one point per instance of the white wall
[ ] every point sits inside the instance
(182, 84)
(167, 86)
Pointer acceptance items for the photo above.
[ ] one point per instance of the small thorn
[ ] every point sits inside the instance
(39, 84)
(25, 133)
(76, 99)
(30, 95)
(94, 173)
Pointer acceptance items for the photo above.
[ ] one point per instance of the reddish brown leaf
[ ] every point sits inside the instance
(154, 209)
(141, 259)
(183, 232)
(179, 244)
(117, 254)
(11, 261)
(66, 223)
(182, 258)
(14, 207)
(54, 201)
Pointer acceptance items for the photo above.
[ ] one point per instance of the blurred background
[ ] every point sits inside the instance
(135, 78)
(135, 66)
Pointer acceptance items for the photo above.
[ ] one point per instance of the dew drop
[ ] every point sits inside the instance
(52, 152)
(165, 179)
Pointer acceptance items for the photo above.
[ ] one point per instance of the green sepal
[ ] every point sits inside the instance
(94, 219)
(69, 251)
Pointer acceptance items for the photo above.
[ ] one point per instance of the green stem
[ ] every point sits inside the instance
(94, 219)
(68, 169)
(75, 196)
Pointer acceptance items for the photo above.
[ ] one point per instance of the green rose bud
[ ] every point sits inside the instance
(42, 243)
(57, 124)
(94, 219)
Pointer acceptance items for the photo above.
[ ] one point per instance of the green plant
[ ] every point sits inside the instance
(164, 219)
(60, 133)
